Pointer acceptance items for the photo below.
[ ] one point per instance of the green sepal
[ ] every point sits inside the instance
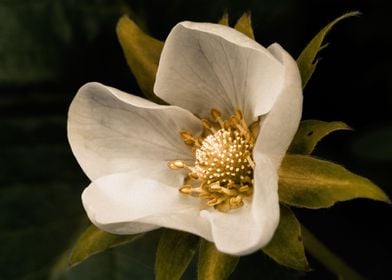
(286, 247)
(305, 181)
(174, 254)
(310, 132)
(214, 265)
(224, 20)
(244, 25)
(142, 53)
(94, 241)
(307, 61)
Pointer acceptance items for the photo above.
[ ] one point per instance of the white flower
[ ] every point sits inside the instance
(126, 144)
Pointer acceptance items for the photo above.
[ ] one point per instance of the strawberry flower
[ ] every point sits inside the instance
(208, 163)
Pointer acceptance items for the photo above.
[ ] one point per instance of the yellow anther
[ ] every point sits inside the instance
(231, 184)
(251, 162)
(239, 114)
(205, 195)
(244, 188)
(242, 130)
(177, 164)
(233, 121)
(187, 137)
(186, 189)
(224, 207)
(215, 188)
(216, 114)
(185, 134)
(212, 202)
(235, 201)
(193, 176)
(207, 125)
(229, 192)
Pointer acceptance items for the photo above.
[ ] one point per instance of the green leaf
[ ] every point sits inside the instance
(244, 25)
(36, 225)
(286, 247)
(308, 182)
(37, 139)
(142, 53)
(214, 265)
(41, 41)
(311, 132)
(224, 19)
(175, 252)
(307, 61)
(134, 260)
(40, 184)
(29, 50)
(94, 241)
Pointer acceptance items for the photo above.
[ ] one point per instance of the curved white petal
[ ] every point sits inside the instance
(111, 131)
(129, 203)
(281, 123)
(249, 228)
(204, 66)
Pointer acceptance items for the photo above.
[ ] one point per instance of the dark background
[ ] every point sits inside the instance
(48, 49)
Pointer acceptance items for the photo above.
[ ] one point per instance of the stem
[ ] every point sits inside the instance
(326, 257)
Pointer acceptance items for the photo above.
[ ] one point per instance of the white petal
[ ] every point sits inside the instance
(204, 66)
(281, 123)
(249, 228)
(129, 203)
(110, 131)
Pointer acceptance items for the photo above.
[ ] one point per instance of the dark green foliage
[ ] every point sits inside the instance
(50, 48)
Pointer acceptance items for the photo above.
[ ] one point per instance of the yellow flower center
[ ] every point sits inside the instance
(222, 173)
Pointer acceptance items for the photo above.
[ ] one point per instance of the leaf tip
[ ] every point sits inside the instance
(349, 128)
(344, 126)
(124, 25)
(224, 20)
(307, 60)
(354, 13)
(122, 20)
(248, 13)
(307, 268)
(382, 196)
(244, 24)
(386, 199)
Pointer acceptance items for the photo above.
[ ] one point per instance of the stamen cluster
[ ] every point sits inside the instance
(223, 169)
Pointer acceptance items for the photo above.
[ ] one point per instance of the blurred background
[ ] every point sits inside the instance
(49, 48)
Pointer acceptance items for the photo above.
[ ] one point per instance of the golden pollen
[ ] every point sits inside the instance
(223, 169)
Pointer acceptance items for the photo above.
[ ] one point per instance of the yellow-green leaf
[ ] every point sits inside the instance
(142, 53)
(307, 61)
(286, 247)
(175, 252)
(94, 241)
(305, 181)
(310, 133)
(244, 25)
(224, 19)
(214, 265)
